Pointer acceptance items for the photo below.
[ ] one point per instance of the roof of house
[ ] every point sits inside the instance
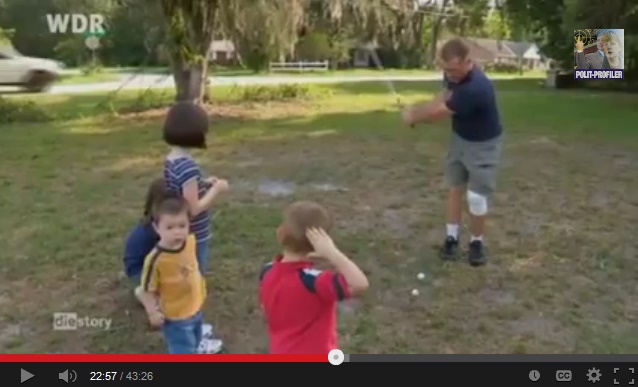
(497, 47)
(222, 45)
(518, 48)
(503, 48)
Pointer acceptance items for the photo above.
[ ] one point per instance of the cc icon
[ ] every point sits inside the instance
(563, 376)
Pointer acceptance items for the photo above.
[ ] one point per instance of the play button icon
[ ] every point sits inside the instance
(25, 375)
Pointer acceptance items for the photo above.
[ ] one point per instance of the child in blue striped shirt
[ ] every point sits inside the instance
(185, 128)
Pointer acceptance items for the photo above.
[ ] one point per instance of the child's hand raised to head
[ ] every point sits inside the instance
(323, 245)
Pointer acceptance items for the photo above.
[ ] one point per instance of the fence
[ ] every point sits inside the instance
(299, 66)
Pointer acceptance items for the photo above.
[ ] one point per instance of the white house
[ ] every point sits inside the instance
(222, 51)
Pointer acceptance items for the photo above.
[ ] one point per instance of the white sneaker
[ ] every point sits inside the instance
(210, 346)
(207, 331)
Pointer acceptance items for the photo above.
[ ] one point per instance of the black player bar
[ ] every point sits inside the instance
(607, 371)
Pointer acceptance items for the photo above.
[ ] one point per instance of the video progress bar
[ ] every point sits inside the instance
(354, 358)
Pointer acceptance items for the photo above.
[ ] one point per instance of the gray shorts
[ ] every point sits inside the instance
(474, 164)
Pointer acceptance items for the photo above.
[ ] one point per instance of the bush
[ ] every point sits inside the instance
(284, 92)
(314, 46)
(91, 69)
(256, 59)
(501, 68)
(12, 111)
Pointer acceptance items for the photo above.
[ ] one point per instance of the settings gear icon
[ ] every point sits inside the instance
(593, 375)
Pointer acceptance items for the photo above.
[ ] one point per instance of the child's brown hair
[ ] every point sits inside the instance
(169, 204)
(186, 126)
(156, 191)
(298, 218)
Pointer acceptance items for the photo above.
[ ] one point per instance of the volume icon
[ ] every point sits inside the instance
(68, 376)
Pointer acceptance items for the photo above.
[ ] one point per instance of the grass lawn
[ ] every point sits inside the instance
(562, 275)
(77, 78)
(233, 72)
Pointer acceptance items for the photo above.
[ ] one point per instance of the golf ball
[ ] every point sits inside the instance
(420, 276)
(415, 292)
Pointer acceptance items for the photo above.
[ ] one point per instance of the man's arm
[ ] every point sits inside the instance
(433, 110)
(462, 100)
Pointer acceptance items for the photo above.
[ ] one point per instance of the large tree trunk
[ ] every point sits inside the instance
(190, 80)
(190, 32)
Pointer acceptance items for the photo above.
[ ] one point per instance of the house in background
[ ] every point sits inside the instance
(528, 54)
(222, 52)
(525, 54)
(492, 51)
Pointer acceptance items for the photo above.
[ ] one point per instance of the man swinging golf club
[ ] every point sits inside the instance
(475, 149)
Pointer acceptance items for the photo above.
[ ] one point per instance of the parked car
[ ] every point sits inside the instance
(31, 74)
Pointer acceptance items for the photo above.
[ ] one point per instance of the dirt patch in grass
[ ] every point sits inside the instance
(561, 276)
(222, 113)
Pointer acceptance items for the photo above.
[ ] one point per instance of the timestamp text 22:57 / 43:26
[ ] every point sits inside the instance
(121, 375)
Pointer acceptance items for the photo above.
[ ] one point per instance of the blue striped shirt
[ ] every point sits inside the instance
(179, 171)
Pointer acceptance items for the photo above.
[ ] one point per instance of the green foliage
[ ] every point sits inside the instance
(544, 19)
(16, 110)
(19, 110)
(147, 100)
(92, 68)
(5, 36)
(467, 16)
(496, 26)
(72, 51)
(507, 68)
(553, 22)
(340, 44)
(314, 46)
(284, 92)
(257, 59)
(136, 35)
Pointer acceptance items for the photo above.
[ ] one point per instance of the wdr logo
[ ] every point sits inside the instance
(79, 23)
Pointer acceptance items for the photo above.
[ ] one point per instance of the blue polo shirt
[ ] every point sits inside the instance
(473, 101)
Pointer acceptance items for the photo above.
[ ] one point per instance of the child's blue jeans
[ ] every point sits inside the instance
(203, 255)
(183, 336)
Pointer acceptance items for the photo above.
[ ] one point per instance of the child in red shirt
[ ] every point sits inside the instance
(298, 300)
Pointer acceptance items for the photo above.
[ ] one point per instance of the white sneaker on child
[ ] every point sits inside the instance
(210, 346)
(207, 331)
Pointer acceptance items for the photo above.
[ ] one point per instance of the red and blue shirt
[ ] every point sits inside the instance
(300, 306)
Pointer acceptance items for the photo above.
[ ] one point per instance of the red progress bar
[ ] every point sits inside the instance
(161, 358)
